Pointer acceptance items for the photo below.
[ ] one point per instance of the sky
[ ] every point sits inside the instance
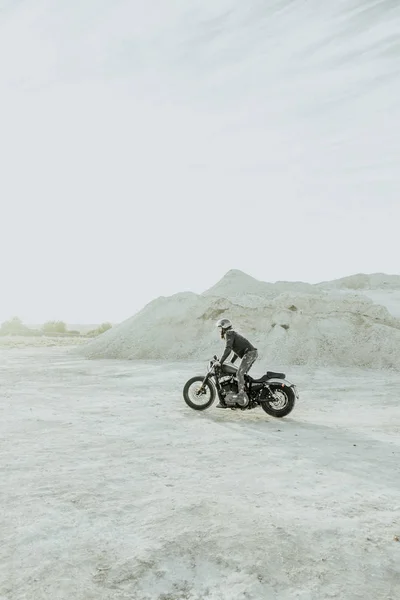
(146, 148)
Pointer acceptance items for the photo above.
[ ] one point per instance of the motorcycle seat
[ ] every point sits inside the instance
(268, 375)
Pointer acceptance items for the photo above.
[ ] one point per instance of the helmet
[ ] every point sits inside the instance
(224, 324)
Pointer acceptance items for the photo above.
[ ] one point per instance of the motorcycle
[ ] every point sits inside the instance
(273, 392)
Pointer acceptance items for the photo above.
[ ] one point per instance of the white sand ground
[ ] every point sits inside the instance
(22, 341)
(112, 489)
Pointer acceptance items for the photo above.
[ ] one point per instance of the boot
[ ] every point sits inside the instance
(221, 404)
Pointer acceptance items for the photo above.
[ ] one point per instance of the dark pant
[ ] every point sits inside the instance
(247, 362)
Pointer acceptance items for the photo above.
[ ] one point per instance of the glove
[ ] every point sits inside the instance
(217, 364)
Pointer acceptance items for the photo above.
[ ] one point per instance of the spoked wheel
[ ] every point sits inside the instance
(198, 395)
(282, 402)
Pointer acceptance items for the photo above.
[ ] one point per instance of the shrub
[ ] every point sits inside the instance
(13, 326)
(54, 327)
(101, 329)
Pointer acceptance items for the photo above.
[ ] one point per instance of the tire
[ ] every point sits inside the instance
(284, 404)
(209, 394)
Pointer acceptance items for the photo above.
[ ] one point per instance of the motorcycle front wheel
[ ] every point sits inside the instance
(198, 395)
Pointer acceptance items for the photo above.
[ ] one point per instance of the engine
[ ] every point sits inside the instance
(228, 385)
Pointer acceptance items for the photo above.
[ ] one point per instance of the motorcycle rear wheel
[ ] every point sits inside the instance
(283, 403)
(197, 398)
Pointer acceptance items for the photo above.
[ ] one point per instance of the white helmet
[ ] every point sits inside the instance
(224, 324)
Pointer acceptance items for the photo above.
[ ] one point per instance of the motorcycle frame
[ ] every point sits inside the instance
(213, 376)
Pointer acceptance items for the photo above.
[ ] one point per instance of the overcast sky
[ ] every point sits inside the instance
(147, 148)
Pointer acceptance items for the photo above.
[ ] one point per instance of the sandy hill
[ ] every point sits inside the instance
(380, 288)
(291, 323)
(249, 291)
(361, 281)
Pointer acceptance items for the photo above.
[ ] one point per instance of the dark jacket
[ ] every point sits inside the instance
(237, 344)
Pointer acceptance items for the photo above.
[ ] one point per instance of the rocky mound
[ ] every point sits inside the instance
(293, 327)
(361, 281)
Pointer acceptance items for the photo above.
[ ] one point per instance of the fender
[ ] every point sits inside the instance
(283, 383)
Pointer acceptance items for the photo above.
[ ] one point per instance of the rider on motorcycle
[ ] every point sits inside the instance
(241, 348)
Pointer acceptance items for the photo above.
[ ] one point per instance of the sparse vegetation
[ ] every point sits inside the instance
(55, 327)
(16, 327)
(102, 329)
(13, 326)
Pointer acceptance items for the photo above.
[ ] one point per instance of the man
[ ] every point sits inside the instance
(241, 348)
